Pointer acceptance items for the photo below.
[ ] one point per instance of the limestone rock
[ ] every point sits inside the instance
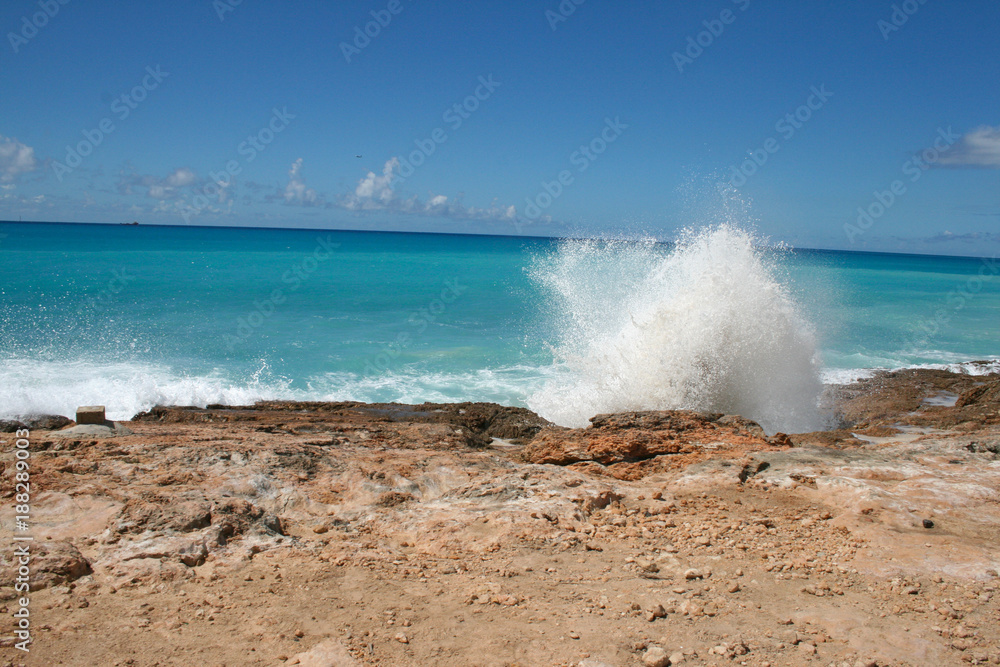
(655, 657)
(328, 653)
(634, 436)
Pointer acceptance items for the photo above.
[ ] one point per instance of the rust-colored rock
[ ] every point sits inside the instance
(629, 437)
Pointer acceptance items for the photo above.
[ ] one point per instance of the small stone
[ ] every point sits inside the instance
(734, 587)
(808, 649)
(676, 658)
(692, 574)
(300, 634)
(928, 524)
(655, 657)
(574, 635)
(402, 638)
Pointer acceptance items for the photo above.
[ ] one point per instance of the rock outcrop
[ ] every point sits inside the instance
(344, 533)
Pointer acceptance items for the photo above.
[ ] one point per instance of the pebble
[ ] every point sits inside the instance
(402, 638)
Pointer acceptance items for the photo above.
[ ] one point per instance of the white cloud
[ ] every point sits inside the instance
(172, 186)
(181, 177)
(296, 191)
(15, 158)
(375, 193)
(979, 148)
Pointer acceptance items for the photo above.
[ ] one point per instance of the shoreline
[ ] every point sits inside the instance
(477, 534)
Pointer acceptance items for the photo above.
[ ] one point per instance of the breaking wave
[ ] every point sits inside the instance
(705, 325)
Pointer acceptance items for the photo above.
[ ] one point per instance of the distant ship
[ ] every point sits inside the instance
(129, 224)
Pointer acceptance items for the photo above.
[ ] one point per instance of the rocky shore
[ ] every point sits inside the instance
(473, 534)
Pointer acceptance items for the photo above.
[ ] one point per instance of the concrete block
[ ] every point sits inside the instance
(90, 414)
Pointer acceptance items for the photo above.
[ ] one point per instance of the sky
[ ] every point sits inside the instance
(862, 126)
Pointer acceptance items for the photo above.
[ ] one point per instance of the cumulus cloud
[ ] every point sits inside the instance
(15, 159)
(174, 186)
(979, 148)
(296, 191)
(181, 177)
(375, 192)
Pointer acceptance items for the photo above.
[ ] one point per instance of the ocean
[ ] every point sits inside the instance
(134, 316)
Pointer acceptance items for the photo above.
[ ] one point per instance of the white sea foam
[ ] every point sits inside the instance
(31, 386)
(706, 326)
(851, 375)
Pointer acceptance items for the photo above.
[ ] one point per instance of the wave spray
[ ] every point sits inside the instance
(705, 325)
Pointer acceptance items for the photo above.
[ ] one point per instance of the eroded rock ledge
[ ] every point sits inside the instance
(298, 533)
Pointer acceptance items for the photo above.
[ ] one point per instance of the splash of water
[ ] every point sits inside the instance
(705, 326)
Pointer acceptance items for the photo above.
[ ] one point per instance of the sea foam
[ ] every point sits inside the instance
(706, 325)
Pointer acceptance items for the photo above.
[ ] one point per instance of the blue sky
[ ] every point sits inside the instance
(635, 119)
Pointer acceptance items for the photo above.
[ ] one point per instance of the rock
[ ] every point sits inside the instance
(190, 552)
(164, 512)
(655, 657)
(11, 425)
(692, 574)
(47, 422)
(632, 436)
(985, 394)
(402, 638)
(928, 523)
(105, 430)
(52, 563)
(328, 653)
(655, 611)
(676, 658)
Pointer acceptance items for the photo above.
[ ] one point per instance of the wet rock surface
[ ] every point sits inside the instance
(472, 534)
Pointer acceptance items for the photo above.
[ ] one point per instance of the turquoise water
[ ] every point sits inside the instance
(133, 316)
